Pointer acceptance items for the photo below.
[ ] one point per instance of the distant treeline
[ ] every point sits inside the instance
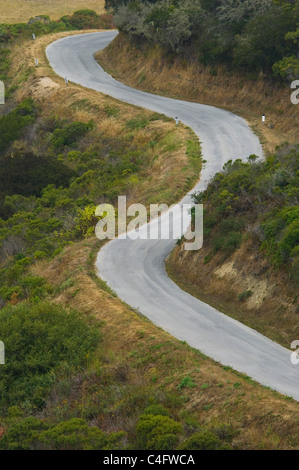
(42, 24)
(253, 35)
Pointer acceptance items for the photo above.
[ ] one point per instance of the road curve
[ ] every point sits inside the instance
(135, 270)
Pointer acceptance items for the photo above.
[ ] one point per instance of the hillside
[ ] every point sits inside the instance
(143, 389)
(248, 266)
(153, 69)
(245, 283)
(83, 370)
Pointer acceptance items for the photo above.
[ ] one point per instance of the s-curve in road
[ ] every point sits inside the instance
(135, 269)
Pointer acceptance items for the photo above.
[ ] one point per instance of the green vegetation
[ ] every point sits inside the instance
(49, 201)
(74, 434)
(254, 36)
(81, 19)
(256, 199)
(40, 26)
(12, 124)
(204, 441)
(54, 170)
(61, 386)
(156, 432)
(42, 342)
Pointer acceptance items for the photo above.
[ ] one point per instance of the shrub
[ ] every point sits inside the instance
(157, 432)
(245, 295)
(21, 434)
(205, 440)
(156, 410)
(69, 135)
(38, 340)
(76, 434)
(186, 382)
(13, 123)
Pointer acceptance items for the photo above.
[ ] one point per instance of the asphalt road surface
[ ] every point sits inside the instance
(135, 269)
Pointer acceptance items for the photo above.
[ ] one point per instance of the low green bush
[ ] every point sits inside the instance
(40, 341)
(156, 432)
(204, 440)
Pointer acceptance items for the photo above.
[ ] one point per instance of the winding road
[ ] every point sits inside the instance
(135, 269)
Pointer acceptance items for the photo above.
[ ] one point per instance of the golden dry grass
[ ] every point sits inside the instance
(164, 178)
(151, 71)
(20, 11)
(154, 359)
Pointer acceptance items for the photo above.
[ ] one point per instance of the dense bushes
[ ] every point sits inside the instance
(205, 440)
(157, 432)
(13, 123)
(75, 434)
(69, 135)
(260, 199)
(42, 341)
(27, 174)
(86, 19)
(251, 35)
(48, 202)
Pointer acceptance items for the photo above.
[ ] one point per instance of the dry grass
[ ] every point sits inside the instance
(272, 308)
(156, 362)
(151, 71)
(20, 11)
(170, 173)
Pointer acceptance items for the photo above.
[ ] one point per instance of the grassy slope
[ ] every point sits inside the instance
(20, 11)
(273, 308)
(134, 368)
(129, 370)
(153, 367)
(150, 70)
(113, 118)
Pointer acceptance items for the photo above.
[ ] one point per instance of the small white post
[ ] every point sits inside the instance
(36, 62)
(66, 81)
(2, 353)
(177, 120)
(33, 36)
(263, 118)
(2, 92)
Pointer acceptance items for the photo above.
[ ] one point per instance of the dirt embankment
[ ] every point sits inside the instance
(243, 286)
(150, 69)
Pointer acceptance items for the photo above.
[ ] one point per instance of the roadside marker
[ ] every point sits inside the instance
(2, 92)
